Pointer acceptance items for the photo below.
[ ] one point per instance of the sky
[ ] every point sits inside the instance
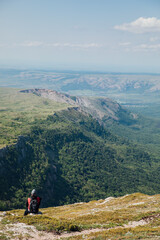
(89, 35)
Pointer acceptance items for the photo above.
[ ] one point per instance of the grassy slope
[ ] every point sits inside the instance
(18, 112)
(111, 214)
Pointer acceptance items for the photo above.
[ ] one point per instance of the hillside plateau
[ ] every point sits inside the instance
(135, 216)
(19, 111)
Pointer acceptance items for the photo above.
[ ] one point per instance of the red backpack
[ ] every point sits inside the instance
(33, 204)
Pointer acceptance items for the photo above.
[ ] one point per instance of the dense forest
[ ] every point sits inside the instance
(70, 157)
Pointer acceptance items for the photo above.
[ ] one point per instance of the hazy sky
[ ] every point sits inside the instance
(99, 35)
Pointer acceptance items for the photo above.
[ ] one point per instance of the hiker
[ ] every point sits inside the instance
(33, 203)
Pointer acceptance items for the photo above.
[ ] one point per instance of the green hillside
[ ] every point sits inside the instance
(19, 111)
(134, 127)
(145, 132)
(69, 157)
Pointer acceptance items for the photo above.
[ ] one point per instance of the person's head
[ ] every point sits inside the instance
(33, 193)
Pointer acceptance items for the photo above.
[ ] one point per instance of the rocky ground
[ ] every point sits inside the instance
(24, 231)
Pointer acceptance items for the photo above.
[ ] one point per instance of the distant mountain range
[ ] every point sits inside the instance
(79, 81)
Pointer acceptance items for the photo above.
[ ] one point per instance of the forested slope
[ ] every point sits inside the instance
(70, 157)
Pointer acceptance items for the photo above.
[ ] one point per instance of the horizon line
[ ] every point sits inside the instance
(76, 70)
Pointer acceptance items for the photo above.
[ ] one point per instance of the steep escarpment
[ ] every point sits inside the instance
(101, 108)
(50, 94)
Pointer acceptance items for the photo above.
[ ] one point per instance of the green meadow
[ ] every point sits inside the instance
(19, 111)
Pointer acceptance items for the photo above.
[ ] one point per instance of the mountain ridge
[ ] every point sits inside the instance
(99, 107)
(67, 81)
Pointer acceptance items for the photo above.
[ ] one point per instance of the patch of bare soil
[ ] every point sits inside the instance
(28, 232)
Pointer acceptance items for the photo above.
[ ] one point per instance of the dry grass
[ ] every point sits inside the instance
(113, 214)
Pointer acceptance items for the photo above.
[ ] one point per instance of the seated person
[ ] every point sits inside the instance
(33, 203)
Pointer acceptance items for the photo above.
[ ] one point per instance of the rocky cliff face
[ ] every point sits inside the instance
(52, 95)
(100, 108)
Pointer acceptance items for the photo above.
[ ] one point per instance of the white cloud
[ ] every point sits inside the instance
(3, 45)
(154, 39)
(79, 28)
(141, 25)
(74, 45)
(143, 48)
(60, 45)
(148, 47)
(31, 44)
(125, 44)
